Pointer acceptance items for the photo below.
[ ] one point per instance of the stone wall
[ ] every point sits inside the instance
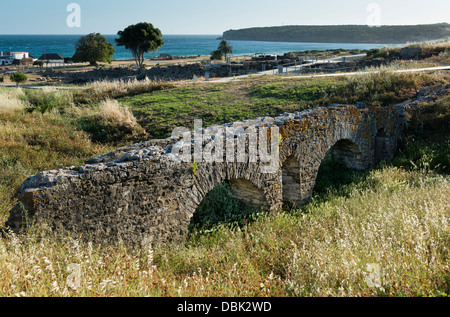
(166, 73)
(143, 193)
(170, 73)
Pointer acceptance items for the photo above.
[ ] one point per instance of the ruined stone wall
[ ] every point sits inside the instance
(144, 193)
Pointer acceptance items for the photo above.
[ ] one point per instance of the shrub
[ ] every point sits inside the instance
(18, 78)
(47, 99)
(385, 53)
(40, 64)
(426, 142)
(112, 123)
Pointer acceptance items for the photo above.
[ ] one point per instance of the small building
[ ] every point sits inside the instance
(24, 61)
(19, 55)
(15, 58)
(52, 58)
(5, 59)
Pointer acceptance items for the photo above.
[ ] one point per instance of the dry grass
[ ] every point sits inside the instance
(431, 46)
(111, 111)
(102, 90)
(396, 220)
(12, 99)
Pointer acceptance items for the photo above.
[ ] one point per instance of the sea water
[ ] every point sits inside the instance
(175, 45)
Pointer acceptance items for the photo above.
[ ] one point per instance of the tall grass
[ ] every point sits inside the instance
(12, 99)
(111, 123)
(396, 220)
(438, 50)
(112, 89)
(111, 111)
(382, 87)
(33, 142)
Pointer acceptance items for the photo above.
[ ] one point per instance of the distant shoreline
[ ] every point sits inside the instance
(333, 34)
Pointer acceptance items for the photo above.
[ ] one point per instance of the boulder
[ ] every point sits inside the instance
(410, 52)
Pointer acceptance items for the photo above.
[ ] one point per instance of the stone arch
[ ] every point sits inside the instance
(248, 193)
(247, 184)
(349, 154)
(144, 192)
(344, 151)
(240, 195)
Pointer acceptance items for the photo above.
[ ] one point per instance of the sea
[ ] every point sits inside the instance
(175, 45)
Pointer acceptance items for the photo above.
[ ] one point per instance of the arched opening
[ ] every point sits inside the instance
(348, 153)
(341, 166)
(292, 195)
(233, 202)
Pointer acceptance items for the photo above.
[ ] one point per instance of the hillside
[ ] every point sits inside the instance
(342, 33)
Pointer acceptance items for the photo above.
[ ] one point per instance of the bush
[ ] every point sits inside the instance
(48, 99)
(40, 64)
(112, 123)
(18, 78)
(426, 142)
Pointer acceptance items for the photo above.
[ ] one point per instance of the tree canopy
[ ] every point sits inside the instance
(93, 48)
(216, 55)
(140, 38)
(225, 48)
(18, 78)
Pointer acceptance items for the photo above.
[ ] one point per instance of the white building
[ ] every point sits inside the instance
(9, 57)
(5, 59)
(19, 55)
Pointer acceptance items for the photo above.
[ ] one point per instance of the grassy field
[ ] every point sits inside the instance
(395, 218)
(159, 113)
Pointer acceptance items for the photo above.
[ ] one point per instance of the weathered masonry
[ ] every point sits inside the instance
(143, 193)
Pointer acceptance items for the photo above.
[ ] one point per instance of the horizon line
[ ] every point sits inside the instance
(101, 34)
(253, 27)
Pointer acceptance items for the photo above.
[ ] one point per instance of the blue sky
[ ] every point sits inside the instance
(209, 16)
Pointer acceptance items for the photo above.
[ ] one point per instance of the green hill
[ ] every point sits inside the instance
(343, 33)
